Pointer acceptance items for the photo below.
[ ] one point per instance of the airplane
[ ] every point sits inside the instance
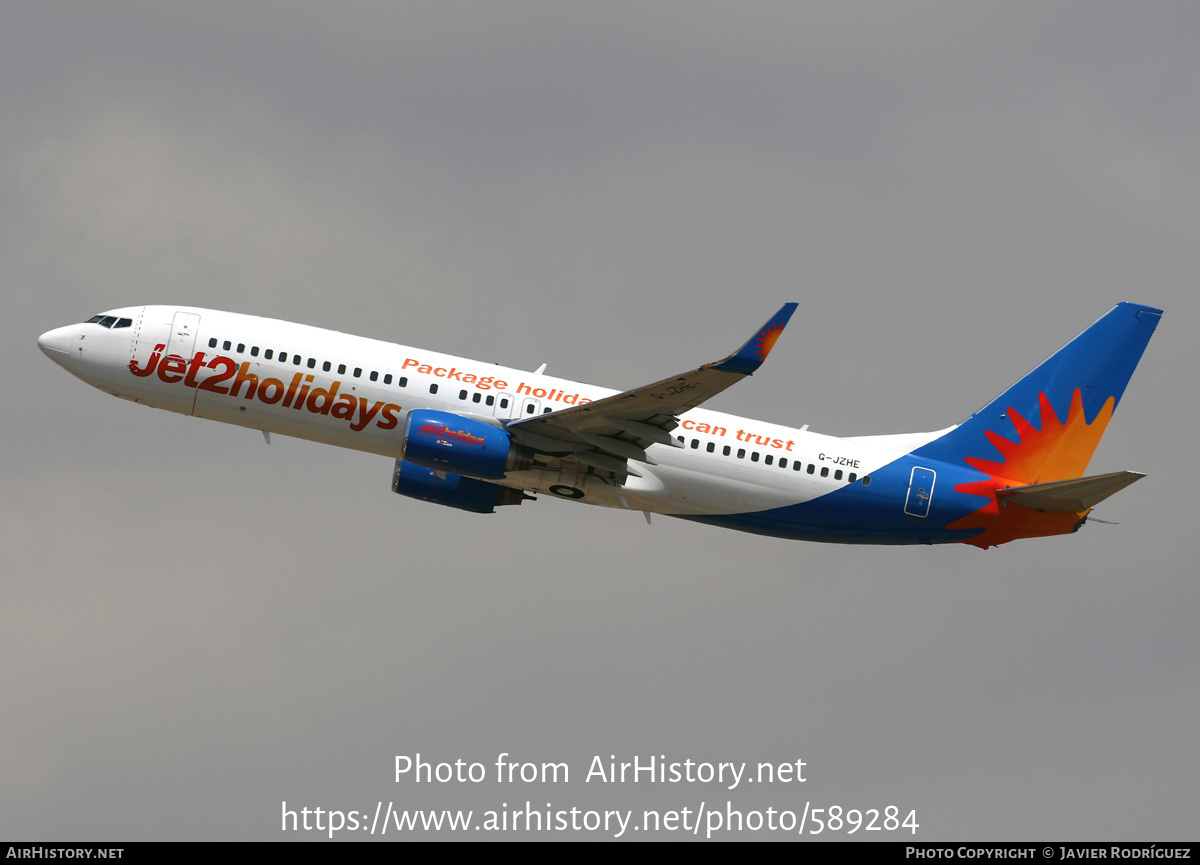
(477, 436)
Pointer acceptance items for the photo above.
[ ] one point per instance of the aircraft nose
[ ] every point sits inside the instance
(56, 344)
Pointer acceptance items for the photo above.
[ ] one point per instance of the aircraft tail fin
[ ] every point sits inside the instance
(1046, 426)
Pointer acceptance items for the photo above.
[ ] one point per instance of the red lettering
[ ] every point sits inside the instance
(320, 400)
(389, 419)
(172, 365)
(213, 382)
(244, 377)
(291, 391)
(303, 393)
(364, 416)
(345, 407)
(274, 386)
(151, 364)
(193, 368)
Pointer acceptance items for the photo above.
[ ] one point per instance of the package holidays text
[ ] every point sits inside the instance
(487, 382)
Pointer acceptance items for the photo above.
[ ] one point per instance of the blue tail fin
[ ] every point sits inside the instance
(1047, 425)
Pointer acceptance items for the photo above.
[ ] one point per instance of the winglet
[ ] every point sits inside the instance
(750, 356)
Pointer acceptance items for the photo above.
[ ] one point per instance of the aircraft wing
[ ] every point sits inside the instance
(606, 433)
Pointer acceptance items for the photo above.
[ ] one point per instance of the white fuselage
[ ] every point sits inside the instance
(355, 392)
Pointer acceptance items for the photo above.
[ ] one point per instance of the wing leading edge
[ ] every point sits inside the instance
(605, 434)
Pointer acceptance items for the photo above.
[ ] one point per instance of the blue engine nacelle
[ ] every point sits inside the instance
(452, 490)
(449, 442)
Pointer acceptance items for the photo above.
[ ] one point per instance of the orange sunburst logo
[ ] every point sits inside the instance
(1057, 451)
(766, 339)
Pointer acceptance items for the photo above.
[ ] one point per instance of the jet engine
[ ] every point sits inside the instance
(448, 442)
(455, 491)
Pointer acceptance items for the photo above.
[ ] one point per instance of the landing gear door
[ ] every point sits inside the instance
(920, 492)
(183, 334)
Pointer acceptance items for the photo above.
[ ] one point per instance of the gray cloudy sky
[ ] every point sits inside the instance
(196, 627)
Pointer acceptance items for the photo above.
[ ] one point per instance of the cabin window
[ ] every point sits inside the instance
(695, 443)
(754, 457)
(811, 468)
(403, 381)
(710, 447)
(741, 453)
(504, 403)
(387, 379)
(254, 351)
(241, 347)
(866, 480)
(312, 363)
(824, 471)
(341, 369)
(225, 345)
(679, 439)
(296, 360)
(326, 366)
(476, 397)
(283, 357)
(358, 372)
(727, 450)
(268, 353)
(462, 394)
(768, 459)
(433, 388)
(547, 410)
(374, 375)
(837, 475)
(797, 465)
(783, 462)
(491, 400)
(852, 477)
(212, 343)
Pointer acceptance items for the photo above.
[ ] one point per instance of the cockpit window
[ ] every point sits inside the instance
(110, 321)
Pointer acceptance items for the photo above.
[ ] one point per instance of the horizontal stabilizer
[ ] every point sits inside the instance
(1074, 496)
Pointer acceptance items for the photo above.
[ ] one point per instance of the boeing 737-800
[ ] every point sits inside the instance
(478, 436)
